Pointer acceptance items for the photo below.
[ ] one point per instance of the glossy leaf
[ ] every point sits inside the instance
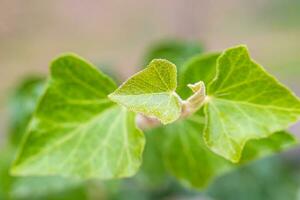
(245, 103)
(77, 131)
(152, 92)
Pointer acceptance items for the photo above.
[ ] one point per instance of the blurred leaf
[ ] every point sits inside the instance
(187, 158)
(22, 105)
(48, 188)
(76, 129)
(153, 171)
(198, 68)
(276, 142)
(245, 103)
(176, 51)
(270, 178)
(151, 92)
(5, 179)
(36, 188)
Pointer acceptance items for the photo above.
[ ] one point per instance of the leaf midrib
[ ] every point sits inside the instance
(170, 93)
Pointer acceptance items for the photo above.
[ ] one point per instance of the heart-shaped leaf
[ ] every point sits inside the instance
(77, 131)
(152, 92)
(245, 102)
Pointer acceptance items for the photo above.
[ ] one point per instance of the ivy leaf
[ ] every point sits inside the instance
(276, 142)
(36, 187)
(185, 153)
(48, 188)
(152, 172)
(151, 92)
(5, 179)
(77, 131)
(187, 157)
(245, 103)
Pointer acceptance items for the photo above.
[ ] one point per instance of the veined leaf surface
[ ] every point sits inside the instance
(187, 157)
(245, 103)
(152, 92)
(77, 131)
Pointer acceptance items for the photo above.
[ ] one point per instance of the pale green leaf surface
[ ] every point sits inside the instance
(186, 155)
(48, 188)
(189, 159)
(77, 131)
(36, 188)
(245, 102)
(151, 92)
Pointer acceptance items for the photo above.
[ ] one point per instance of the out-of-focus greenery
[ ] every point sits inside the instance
(273, 178)
(22, 105)
(176, 51)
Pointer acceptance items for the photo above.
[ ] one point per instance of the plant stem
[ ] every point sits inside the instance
(188, 107)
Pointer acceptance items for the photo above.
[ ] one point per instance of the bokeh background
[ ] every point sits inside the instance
(116, 34)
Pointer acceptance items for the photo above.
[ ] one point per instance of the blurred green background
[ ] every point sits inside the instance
(116, 35)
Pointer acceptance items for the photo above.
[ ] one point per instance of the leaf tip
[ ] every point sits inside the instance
(163, 62)
(64, 56)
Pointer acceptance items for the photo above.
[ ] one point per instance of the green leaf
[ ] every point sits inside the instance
(152, 92)
(77, 131)
(152, 172)
(5, 179)
(36, 188)
(189, 159)
(245, 103)
(185, 153)
(22, 104)
(176, 51)
(198, 68)
(48, 188)
(276, 142)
